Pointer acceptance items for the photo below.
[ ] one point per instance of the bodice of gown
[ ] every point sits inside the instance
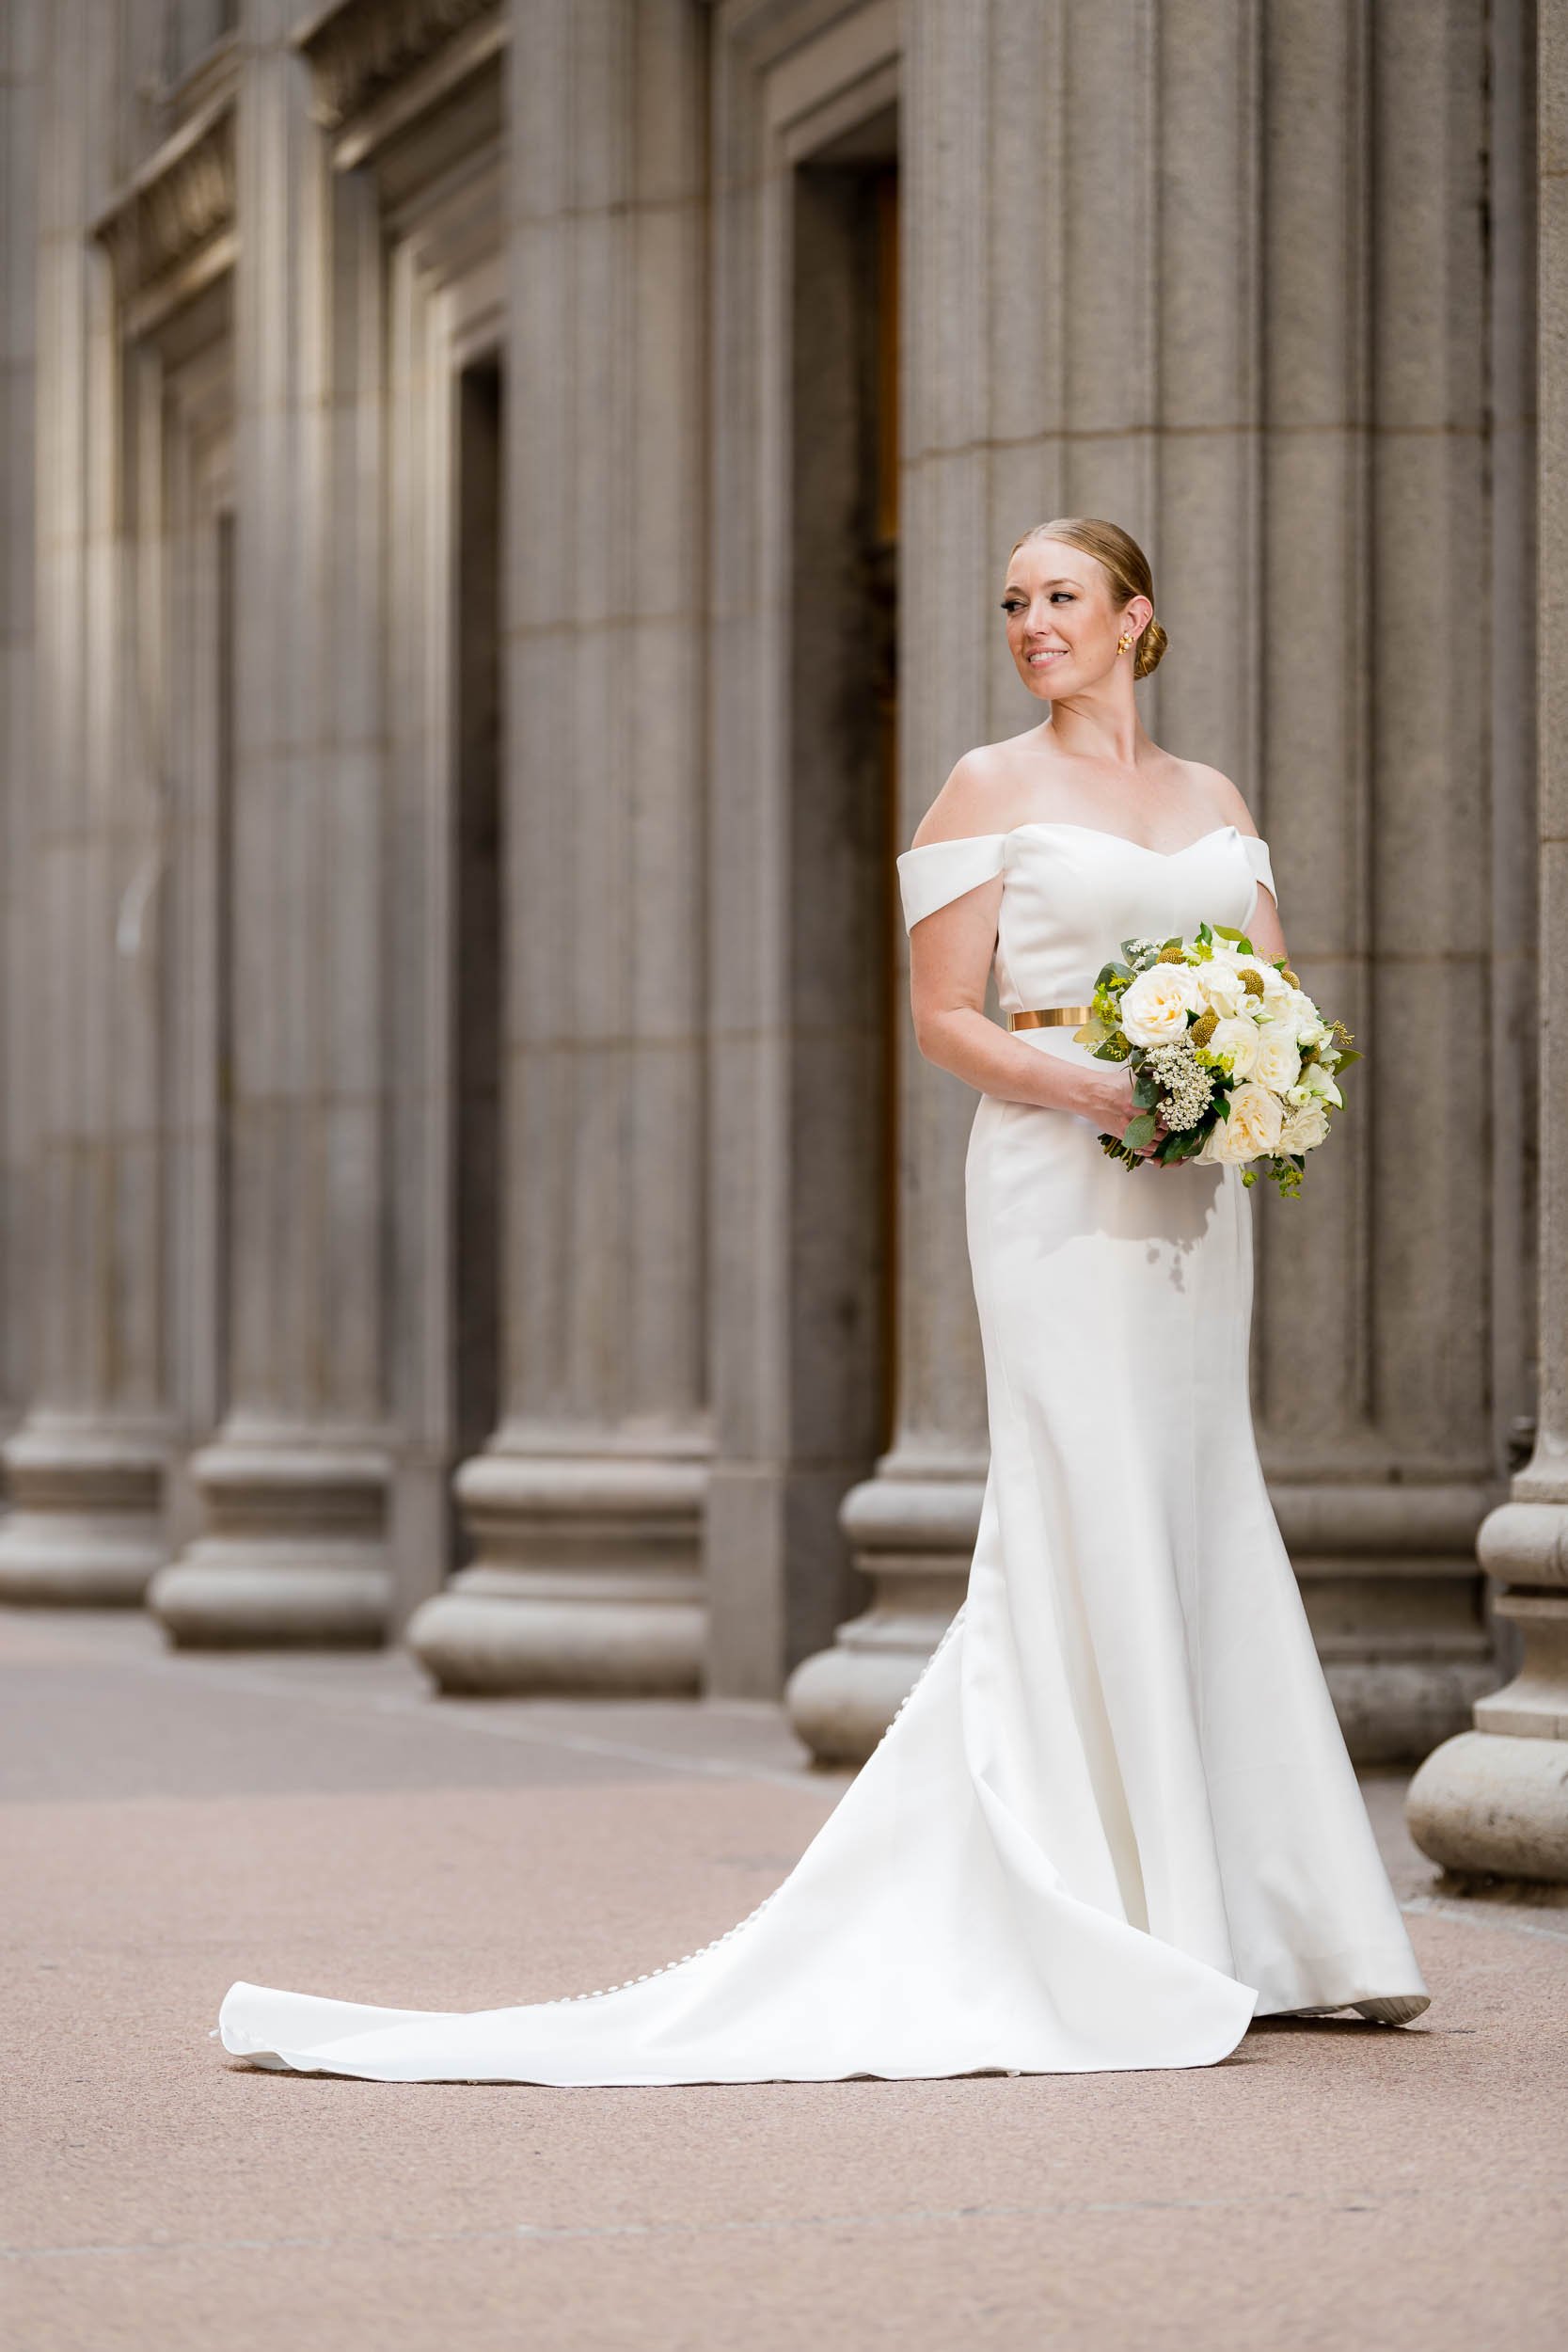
(1071, 894)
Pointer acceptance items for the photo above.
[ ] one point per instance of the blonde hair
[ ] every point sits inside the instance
(1124, 565)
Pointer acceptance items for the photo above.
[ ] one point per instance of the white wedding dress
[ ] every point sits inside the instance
(1114, 1819)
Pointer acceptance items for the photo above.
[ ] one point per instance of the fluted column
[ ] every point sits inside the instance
(1152, 274)
(1494, 1799)
(1204, 523)
(1081, 289)
(1377, 1314)
(84, 1468)
(292, 1488)
(584, 1511)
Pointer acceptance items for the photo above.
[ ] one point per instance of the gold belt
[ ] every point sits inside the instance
(1053, 1017)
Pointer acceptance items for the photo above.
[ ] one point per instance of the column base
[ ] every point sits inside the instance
(1488, 1805)
(914, 1539)
(496, 1632)
(588, 1580)
(1494, 1801)
(292, 1554)
(85, 1529)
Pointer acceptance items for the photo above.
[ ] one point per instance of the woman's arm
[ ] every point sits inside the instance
(950, 958)
(950, 955)
(1263, 926)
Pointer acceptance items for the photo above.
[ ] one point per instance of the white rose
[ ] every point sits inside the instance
(1278, 1059)
(1219, 984)
(1253, 1127)
(1304, 1129)
(1154, 1007)
(1277, 990)
(1307, 1021)
(1234, 1043)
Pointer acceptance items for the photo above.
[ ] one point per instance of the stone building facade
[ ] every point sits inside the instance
(505, 502)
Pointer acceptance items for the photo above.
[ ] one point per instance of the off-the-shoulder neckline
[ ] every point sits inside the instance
(1100, 833)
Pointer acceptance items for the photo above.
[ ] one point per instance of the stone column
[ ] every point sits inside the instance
(1151, 274)
(85, 1468)
(1081, 280)
(292, 1488)
(584, 1511)
(1494, 1799)
(1375, 1327)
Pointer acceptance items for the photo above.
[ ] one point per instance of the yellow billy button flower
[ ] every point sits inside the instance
(1204, 1026)
(1173, 955)
(1253, 983)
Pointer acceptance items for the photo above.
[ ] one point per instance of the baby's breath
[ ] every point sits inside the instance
(1186, 1086)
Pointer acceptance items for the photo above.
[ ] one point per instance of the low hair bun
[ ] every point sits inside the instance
(1151, 646)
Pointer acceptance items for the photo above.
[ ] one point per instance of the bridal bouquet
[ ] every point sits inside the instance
(1227, 1051)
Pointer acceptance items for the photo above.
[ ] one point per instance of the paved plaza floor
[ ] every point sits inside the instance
(169, 1824)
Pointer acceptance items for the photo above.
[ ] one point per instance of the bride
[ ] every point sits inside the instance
(1114, 1819)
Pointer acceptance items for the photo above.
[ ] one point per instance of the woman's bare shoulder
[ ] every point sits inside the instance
(1215, 789)
(980, 796)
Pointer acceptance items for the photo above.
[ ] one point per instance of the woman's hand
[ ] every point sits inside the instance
(1118, 1110)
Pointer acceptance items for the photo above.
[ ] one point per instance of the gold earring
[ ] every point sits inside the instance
(1124, 641)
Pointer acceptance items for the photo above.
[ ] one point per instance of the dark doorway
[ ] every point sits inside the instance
(843, 841)
(477, 917)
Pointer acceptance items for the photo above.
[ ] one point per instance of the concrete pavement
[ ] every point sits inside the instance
(168, 1823)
